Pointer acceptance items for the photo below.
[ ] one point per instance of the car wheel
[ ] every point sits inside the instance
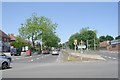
(4, 65)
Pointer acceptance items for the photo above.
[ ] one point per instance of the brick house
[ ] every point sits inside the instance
(12, 37)
(104, 45)
(4, 42)
(115, 46)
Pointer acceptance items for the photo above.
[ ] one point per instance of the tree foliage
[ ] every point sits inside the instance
(19, 42)
(118, 37)
(102, 38)
(84, 35)
(109, 38)
(106, 38)
(36, 28)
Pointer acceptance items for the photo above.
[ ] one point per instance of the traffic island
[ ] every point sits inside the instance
(77, 57)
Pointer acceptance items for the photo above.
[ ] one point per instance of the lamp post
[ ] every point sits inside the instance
(94, 44)
(41, 42)
(87, 44)
(94, 38)
(75, 43)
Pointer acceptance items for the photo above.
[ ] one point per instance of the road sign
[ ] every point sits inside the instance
(82, 42)
(75, 42)
(81, 46)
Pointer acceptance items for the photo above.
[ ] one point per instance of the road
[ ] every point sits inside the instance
(47, 66)
(108, 55)
(43, 58)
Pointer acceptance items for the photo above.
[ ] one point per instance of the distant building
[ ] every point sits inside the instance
(115, 45)
(4, 42)
(104, 45)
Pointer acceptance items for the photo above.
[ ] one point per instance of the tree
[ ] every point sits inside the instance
(19, 42)
(51, 40)
(84, 35)
(36, 28)
(109, 38)
(118, 37)
(102, 38)
(105, 38)
(71, 40)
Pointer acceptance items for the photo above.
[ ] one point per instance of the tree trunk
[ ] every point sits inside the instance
(33, 43)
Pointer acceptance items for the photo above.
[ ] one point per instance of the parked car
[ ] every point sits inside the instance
(55, 52)
(45, 52)
(5, 63)
(5, 56)
(15, 52)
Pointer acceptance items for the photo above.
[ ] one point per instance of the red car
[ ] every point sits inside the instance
(45, 52)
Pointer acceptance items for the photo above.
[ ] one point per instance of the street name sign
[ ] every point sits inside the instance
(81, 46)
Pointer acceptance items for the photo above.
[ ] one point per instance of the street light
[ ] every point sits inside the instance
(94, 38)
(41, 41)
(87, 44)
(94, 44)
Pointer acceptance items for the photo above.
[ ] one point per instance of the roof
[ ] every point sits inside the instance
(115, 42)
(2, 34)
(12, 37)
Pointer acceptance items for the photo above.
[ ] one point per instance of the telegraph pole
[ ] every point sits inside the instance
(87, 44)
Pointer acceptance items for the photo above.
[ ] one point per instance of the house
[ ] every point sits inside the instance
(104, 45)
(115, 46)
(4, 42)
(12, 37)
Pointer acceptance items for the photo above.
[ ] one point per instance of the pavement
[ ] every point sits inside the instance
(98, 57)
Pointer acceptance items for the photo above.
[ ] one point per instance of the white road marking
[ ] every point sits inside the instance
(17, 58)
(109, 57)
(31, 59)
(114, 58)
(105, 56)
(38, 58)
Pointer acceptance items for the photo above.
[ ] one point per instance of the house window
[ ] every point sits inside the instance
(4, 39)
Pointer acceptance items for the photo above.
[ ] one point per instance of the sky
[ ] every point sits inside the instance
(71, 17)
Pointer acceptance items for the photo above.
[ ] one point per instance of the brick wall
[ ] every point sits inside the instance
(115, 47)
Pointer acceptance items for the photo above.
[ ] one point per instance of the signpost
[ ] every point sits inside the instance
(81, 46)
(75, 43)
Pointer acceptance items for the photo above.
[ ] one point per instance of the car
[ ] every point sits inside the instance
(5, 56)
(55, 52)
(15, 52)
(45, 52)
(5, 63)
